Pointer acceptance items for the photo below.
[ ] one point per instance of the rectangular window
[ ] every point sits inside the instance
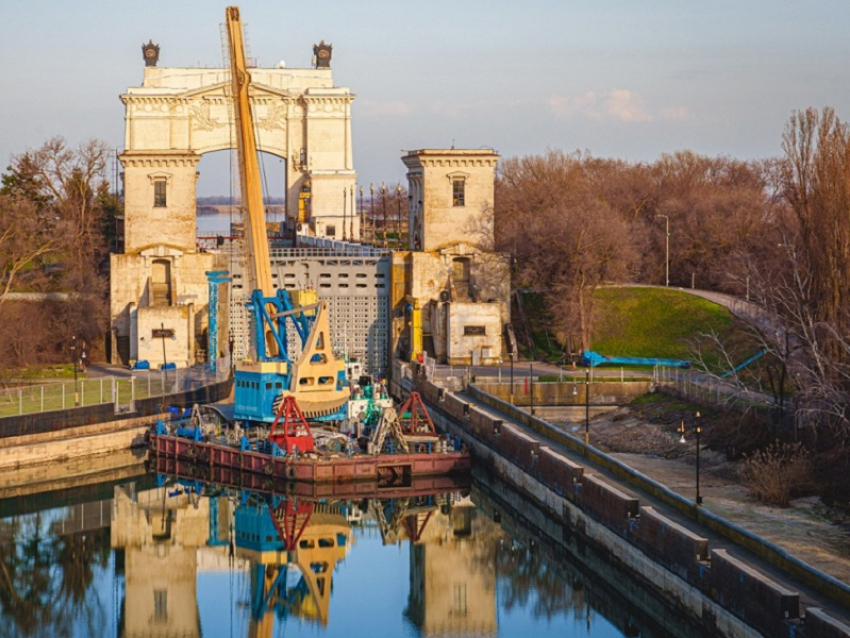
(160, 604)
(458, 192)
(330, 231)
(459, 599)
(159, 193)
(474, 331)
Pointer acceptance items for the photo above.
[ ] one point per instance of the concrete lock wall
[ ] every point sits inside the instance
(585, 503)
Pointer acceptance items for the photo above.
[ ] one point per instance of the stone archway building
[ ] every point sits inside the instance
(171, 120)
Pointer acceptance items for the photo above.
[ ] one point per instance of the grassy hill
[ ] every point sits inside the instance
(651, 322)
(655, 322)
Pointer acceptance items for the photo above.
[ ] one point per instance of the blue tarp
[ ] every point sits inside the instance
(592, 359)
(144, 364)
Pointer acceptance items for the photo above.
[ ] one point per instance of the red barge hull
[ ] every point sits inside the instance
(382, 469)
(234, 478)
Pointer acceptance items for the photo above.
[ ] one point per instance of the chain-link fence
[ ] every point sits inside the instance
(120, 390)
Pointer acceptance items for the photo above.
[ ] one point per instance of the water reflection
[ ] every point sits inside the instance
(46, 570)
(182, 557)
(290, 546)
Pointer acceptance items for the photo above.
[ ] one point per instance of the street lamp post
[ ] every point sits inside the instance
(372, 212)
(587, 407)
(361, 214)
(667, 250)
(231, 344)
(398, 217)
(512, 377)
(697, 433)
(74, 363)
(344, 213)
(351, 217)
(384, 214)
(531, 382)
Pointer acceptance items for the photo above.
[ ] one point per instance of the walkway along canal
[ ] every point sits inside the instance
(728, 580)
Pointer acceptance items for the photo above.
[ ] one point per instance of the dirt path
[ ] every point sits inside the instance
(806, 528)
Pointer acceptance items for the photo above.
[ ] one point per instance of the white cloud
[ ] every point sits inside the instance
(569, 107)
(625, 106)
(621, 105)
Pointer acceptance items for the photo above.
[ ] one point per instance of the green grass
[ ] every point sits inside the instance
(60, 395)
(52, 371)
(651, 322)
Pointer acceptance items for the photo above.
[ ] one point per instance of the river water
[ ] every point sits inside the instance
(158, 556)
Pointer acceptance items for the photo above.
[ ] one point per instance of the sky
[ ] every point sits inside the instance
(616, 78)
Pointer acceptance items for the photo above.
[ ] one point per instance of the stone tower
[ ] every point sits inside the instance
(451, 292)
(158, 288)
(451, 197)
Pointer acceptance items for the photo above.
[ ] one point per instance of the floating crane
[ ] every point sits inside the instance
(317, 378)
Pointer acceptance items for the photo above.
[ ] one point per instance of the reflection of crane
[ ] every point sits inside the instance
(402, 517)
(289, 539)
(317, 378)
(322, 545)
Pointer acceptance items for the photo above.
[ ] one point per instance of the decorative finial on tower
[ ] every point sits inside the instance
(150, 51)
(322, 55)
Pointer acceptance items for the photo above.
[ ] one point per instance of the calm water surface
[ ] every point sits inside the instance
(159, 557)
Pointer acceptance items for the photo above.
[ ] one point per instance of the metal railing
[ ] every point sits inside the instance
(120, 390)
(324, 247)
(707, 389)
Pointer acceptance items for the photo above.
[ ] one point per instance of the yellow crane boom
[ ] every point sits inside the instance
(317, 378)
(249, 169)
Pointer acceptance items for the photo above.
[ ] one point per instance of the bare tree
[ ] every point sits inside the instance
(817, 186)
(385, 212)
(52, 236)
(67, 181)
(565, 239)
(27, 235)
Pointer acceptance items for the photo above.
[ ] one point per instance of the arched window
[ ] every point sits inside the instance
(460, 277)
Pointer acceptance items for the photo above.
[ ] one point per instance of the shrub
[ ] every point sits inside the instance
(777, 473)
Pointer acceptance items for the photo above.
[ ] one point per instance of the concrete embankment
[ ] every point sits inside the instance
(36, 451)
(56, 477)
(39, 448)
(718, 588)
